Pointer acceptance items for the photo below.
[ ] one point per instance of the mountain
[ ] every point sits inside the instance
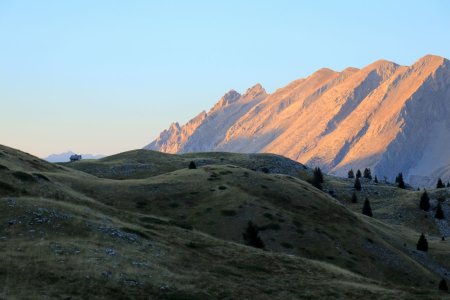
(142, 225)
(64, 157)
(386, 117)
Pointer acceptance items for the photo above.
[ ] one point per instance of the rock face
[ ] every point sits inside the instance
(387, 117)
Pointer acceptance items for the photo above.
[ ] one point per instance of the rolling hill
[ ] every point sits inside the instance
(142, 225)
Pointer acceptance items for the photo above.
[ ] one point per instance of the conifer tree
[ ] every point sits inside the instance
(422, 244)
(425, 201)
(251, 236)
(351, 175)
(367, 173)
(376, 179)
(439, 184)
(192, 165)
(399, 180)
(358, 174)
(439, 212)
(317, 179)
(367, 210)
(354, 198)
(443, 285)
(357, 184)
(318, 173)
(448, 184)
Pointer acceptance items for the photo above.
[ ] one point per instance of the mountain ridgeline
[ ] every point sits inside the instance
(386, 117)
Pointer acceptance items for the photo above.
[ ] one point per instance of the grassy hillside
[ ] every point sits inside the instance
(156, 229)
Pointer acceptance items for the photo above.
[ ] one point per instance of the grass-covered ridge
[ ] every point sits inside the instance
(142, 225)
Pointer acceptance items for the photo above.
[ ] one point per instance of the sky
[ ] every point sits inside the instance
(109, 76)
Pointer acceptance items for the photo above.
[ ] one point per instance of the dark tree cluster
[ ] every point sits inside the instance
(192, 165)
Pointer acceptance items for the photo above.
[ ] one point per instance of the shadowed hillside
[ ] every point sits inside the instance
(141, 224)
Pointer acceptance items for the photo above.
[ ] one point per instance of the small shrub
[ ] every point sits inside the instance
(251, 236)
(25, 177)
(443, 285)
(40, 176)
(228, 212)
(286, 245)
(192, 165)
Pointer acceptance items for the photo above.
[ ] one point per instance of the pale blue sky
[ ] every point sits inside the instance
(108, 76)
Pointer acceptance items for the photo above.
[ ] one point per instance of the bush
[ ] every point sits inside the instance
(228, 212)
(192, 165)
(251, 236)
(354, 198)
(443, 285)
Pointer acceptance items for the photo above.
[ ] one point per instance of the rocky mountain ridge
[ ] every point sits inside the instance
(387, 117)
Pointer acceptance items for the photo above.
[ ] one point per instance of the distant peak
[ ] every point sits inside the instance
(350, 70)
(322, 72)
(230, 97)
(174, 126)
(430, 59)
(381, 63)
(255, 91)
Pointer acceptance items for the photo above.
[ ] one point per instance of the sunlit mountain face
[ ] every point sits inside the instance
(385, 116)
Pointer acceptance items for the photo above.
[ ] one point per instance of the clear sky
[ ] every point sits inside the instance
(108, 76)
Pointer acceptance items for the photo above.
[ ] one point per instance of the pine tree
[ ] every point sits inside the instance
(443, 285)
(358, 174)
(367, 210)
(448, 184)
(425, 201)
(251, 236)
(367, 173)
(399, 181)
(192, 165)
(317, 178)
(376, 179)
(422, 244)
(354, 198)
(351, 175)
(439, 184)
(357, 184)
(439, 212)
(318, 173)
